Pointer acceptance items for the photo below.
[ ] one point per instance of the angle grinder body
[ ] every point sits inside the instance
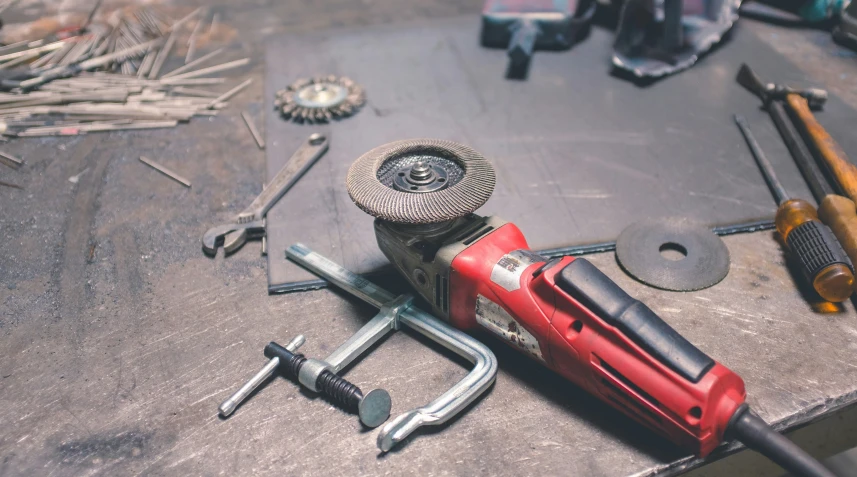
(479, 272)
(570, 317)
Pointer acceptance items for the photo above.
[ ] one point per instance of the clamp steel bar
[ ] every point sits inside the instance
(395, 311)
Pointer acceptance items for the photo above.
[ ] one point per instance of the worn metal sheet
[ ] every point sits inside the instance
(579, 154)
(119, 338)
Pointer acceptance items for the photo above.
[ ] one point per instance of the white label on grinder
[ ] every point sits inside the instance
(497, 320)
(508, 270)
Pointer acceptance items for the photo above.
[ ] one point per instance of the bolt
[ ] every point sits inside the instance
(420, 171)
(421, 174)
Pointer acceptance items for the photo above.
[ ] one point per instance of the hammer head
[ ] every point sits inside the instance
(747, 78)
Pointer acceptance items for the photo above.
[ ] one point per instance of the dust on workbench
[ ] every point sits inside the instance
(120, 338)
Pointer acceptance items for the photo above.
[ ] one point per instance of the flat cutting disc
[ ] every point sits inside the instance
(673, 254)
(320, 99)
(420, 181)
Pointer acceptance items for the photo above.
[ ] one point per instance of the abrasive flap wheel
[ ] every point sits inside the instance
(420, 181)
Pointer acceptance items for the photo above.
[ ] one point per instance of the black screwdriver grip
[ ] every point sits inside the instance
(815, 248)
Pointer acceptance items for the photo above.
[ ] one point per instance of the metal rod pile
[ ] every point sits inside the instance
(107, 78)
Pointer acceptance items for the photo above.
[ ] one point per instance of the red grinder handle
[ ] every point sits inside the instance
(574, 319)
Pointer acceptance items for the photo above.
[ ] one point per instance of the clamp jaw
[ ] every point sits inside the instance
(374, 408)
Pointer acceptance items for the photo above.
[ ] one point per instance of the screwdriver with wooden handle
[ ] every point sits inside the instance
(820, 257)
(834, 210)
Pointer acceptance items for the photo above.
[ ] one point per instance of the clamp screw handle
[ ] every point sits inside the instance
(372, 408)
(228, 406)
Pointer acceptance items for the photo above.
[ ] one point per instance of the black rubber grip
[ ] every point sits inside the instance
(339, 390)
(815, 247)
(602, 296)
(290, 363)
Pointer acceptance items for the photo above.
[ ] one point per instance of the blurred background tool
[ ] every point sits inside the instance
(769, 92)
(820, 257)
(320, 99)
(522, 26)
(657, 38)
(837, 212)
(845, 33)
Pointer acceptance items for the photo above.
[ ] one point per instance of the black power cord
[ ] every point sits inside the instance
(756, 434)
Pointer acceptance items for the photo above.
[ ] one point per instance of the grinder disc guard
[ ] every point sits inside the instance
(420, 181)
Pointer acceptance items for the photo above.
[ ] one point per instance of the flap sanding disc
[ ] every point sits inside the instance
(420, 181)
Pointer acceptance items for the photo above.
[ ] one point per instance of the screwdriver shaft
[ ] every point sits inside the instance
(765, 166)
(814, 177)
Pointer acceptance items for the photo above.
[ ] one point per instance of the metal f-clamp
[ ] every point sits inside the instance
(394, 311)
(320, 377)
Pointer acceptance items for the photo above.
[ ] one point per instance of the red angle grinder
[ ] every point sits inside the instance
(564, 313)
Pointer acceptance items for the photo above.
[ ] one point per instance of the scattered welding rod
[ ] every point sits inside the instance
(211, 69)
(63, 71)
(78, 128)
(191, 42)
(14, 46)
(214, 21)
(188, 66)
(77, 77)
(146, 65)
(162, 56)
(185, 19)
(195, 92)
(10, 160)
(14, 186)
(163, 170)
(40, 49)
(229, 94)
(255, 132)
(91, 14)
(192, 81)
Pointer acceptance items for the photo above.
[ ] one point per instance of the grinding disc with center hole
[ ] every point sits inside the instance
(651, 251)
(420, 181)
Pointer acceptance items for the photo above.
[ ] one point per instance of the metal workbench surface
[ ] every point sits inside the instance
(119, 338)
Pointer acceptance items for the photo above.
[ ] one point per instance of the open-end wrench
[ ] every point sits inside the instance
(250, 224)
